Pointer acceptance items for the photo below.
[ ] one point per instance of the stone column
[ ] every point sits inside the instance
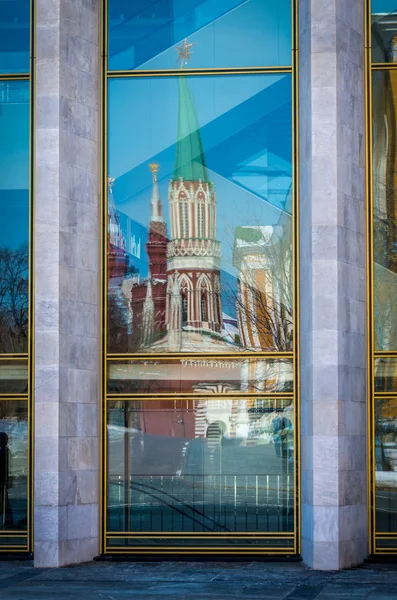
(66, 267)
(333, 311)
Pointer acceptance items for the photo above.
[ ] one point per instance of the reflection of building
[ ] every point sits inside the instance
(193, 252)
(148, 299)
(117, 256)
(263, 265)
(189, 264)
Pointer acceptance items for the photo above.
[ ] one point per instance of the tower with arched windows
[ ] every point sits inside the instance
(193, 252)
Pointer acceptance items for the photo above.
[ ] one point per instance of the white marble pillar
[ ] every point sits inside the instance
(66, 267)
(333, 311)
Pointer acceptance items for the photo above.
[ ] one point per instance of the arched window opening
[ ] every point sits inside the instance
(200, 220)
(184, 309)
(184, 219)
(203, 308)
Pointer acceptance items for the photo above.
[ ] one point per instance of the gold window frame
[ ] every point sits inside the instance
(373, 354)
(106, 75)
(26, 537)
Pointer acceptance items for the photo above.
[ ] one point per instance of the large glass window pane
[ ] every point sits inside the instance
(386, 464)
(14, 36)
(200, 375)
(14, 211)
(13, 465)
(384, 31)
(200, 214)
(151, 34)
(221, 466)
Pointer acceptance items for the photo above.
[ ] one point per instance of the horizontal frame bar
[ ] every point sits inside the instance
(14, 76)
(202, 356)
(193, 550)
(202, 396)
(204, 534)
(203, 71)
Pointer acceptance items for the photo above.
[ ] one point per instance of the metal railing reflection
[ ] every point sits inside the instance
(201, 503)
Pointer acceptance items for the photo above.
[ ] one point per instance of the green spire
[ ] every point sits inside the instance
(190, 160)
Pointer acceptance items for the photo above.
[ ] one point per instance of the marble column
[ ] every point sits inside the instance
(333, 310)
(66, 267)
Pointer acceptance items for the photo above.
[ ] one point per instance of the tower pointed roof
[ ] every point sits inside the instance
(190, 160)
(156, 207)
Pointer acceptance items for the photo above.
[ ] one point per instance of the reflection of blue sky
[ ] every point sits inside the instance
(384, 6)
(227, 33)
(14, 163)
(14, 36)
(245, 123)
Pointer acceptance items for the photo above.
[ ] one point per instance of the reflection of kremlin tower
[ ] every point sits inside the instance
(117, 256)
(193, 253)
(148, 300)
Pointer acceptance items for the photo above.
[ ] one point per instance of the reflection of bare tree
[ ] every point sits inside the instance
(264, 296)
(14, 299)
(385, 261)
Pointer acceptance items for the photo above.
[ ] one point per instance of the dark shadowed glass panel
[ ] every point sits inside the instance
(386, 464)
(14, 36)
(14, 211)
(13, 376)
(384, 31)
(146, 34)
(13, 465)
(240, 543)
(200, 375)
(200, 212)
(201, 465)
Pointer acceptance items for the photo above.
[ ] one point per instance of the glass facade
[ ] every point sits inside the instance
(15, 149)
(384, 275)
(15, 36)
(200, 277)
(228, 34)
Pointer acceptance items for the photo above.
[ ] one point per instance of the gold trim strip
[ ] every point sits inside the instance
(203, 356)
(191, 395)
(14, 76)
(193, 534)
(192, 550)
(202, 71)
(383, 66)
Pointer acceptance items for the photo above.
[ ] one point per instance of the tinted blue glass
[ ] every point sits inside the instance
(225, 237)
(145, 34)
(14, 210)
(384, 30)
(14, 36)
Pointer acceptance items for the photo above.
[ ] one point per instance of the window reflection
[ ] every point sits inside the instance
(14, 209)
(13, 376)
(201, 465)
(200, 215)
(386, 464)
(385, 209)
(15, 36)
(200, 375)
(13, 465)
(384, 31)
(229, 33)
